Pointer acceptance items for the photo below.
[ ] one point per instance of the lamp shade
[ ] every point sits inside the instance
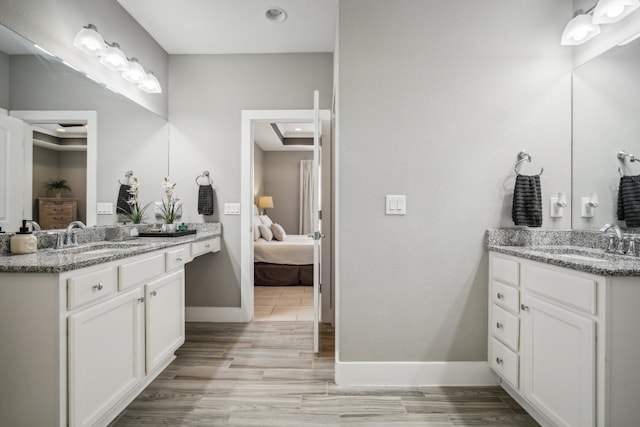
(610, 11)
(134, 72)
(89, 41)
(265, 202)
(579, 30)
(114, 59)
(150, 84)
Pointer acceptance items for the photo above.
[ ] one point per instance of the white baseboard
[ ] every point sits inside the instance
(216, 314)
(414, 374)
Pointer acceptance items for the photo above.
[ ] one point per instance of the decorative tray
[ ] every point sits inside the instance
(166, 233)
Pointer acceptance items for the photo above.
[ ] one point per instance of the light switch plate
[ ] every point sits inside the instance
(104, 208)
(396, 204)
(232, 208)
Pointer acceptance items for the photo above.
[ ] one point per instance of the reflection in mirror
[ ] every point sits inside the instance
(606, 102)
(128, 136)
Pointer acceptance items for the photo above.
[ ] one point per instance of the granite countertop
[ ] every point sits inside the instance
(581, 250)
(48, 260)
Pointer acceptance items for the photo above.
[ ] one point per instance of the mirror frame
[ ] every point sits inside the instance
(35, 116)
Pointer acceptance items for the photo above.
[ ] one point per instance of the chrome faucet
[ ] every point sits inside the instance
(615, 243)
(69, 237)
(34, 225)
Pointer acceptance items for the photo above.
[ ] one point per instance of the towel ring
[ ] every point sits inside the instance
(205, 174)
(523, 156)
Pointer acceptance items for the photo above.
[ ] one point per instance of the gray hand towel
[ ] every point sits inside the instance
(629, 200)
(527, 201)
(123, 207)
(205, 199)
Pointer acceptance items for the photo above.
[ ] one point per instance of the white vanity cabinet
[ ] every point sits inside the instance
(574, 362)
(78, 346)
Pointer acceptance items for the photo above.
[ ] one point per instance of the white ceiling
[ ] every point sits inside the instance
(265, 137)
(237, 26)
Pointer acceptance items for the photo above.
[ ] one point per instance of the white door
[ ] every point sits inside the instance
(106, 342)
(11, 173)
(558, 359)
(164, 318)
(317, 226)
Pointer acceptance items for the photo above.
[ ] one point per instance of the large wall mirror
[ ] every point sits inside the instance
(606, 109)
(127, 136)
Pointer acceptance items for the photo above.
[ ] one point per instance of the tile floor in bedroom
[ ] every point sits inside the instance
(283, 303)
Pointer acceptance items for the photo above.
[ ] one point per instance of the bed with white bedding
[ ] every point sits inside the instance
(283, 263)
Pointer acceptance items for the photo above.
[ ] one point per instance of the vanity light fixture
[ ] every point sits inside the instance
(134, 72)
(579, 30)
(588, 204)
(90, 41)
(111, 56)
(610, 11)
(114, 59)
(150, 84)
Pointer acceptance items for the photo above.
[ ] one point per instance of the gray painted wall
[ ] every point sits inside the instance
(436, 99)
(208, 93)
(258, 172)
(4, 80)
(282, 182)
(53, 24)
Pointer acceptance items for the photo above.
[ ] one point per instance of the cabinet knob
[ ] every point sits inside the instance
(499, 295)
(153, 293)
(141, 299)
(498, 361)
(98, 287)
(207, 246)
(524, 307)
(179, 259)
(498, 325)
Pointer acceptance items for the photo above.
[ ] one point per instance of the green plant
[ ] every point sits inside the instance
(171, 208)
(136, 213)
(57, 185)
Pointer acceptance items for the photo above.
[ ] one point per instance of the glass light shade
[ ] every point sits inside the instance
(114, 59)
(610, 11)
(265, 202)
(579, 30)
(89, 41)
(150, 84)
(134, 73)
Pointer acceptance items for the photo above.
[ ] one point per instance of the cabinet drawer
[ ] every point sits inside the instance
(504, 362)
(505, 270)
(141, 271)
(202, 247)
(505, 327)
(505, 296)
(90, 287)
(176, 258)
(572, 289)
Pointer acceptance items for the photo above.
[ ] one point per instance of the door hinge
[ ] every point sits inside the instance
(317, 235)
(320, 214)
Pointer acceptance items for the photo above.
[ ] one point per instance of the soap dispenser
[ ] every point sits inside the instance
(24, 242)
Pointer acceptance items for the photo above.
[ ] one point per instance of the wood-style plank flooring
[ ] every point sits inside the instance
(265, 374)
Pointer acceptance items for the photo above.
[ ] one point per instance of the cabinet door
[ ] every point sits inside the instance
(106, 343)
(165, 317)
(558, 359)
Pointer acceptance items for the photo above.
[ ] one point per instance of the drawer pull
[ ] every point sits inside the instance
(98, 287)
(153, 293)
(207, 246)
(524, 307)
(499, 295)
(141, 299)
(179, 259)
(499, 325)
(498, 361)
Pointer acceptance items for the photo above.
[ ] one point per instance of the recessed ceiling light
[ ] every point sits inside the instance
(298, 129)
(275, 14)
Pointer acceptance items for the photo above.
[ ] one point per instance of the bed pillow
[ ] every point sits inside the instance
(256, 230)
(266, 220)
(265, 232)
(278, 232)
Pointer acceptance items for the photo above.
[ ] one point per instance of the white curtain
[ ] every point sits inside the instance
(306, 197)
